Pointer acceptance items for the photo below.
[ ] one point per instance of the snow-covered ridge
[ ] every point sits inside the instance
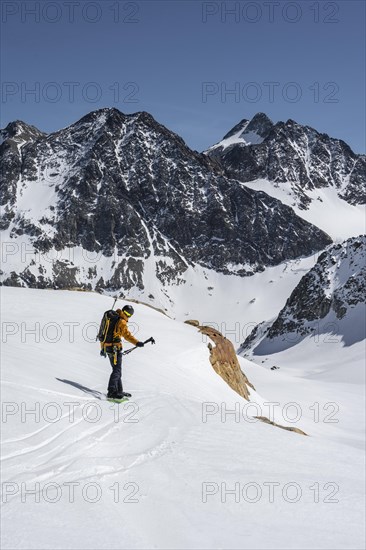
(329, 298)
(325, 208)
(243, 138)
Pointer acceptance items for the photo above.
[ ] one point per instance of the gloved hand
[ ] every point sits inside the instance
(140, 345)
(103, 353)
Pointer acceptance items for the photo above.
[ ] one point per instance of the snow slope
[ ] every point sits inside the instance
(326, 210)
(246, 138)
(170, 464)
(325, 315)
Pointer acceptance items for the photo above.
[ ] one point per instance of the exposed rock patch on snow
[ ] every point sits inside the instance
(224, 361)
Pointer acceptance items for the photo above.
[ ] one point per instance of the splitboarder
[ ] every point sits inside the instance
(113, 350)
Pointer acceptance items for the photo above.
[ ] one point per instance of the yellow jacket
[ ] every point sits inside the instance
(121, 331)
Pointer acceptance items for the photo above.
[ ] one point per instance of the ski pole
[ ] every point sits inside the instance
(151, 339)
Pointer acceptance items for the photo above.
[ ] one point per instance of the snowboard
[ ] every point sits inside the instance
(118, 400)
(115, 400)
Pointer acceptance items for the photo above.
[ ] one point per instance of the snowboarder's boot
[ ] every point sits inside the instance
(111, 395)
(123, 394)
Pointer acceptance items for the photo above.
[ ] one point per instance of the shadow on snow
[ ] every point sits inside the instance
(89, 391)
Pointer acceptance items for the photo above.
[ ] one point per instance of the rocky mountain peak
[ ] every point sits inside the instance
(330, 298)
(19, 131)
(297, 156)
(240, 127)
(260, 124)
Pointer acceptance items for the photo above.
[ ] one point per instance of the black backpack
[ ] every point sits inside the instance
(107, 326)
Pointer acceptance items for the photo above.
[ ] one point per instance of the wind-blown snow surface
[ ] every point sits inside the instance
(171, 468)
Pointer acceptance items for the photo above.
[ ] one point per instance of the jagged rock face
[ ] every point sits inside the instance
(12, 139)
(288, 152)
(336, 284)
(124, 186)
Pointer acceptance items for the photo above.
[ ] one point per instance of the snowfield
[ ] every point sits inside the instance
(327, 210)
(184, 464)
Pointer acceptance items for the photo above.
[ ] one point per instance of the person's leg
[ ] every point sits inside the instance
(115, 384)
(119, 363)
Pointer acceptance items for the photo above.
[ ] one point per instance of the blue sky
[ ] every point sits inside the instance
(197, 67)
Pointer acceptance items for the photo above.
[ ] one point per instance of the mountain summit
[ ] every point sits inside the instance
(247, 132)
(296, 157)
(130, 191)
